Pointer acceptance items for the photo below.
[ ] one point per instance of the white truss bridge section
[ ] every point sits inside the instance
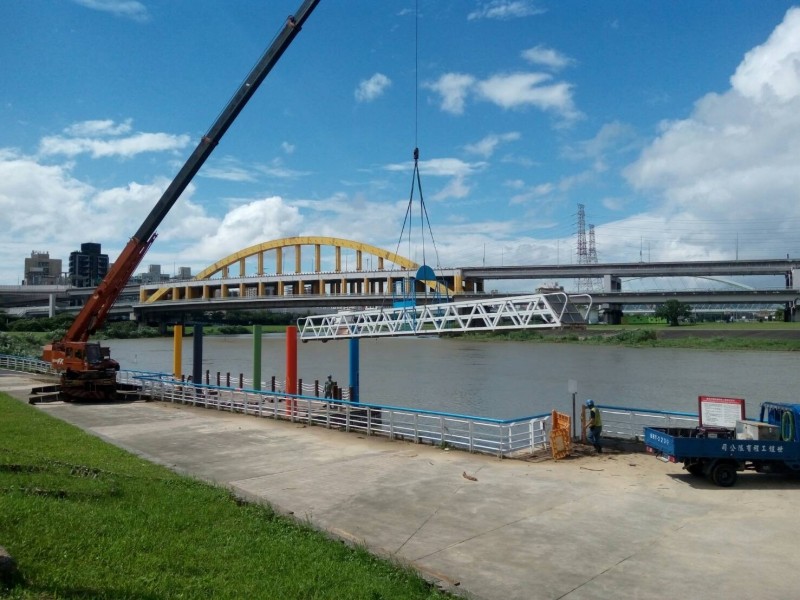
(548, 310)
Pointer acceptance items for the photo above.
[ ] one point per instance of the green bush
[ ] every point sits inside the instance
(20, 345)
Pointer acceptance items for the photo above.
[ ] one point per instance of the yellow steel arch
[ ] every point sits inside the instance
(309, 240)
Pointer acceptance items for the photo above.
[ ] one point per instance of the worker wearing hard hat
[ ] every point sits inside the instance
(594, 426)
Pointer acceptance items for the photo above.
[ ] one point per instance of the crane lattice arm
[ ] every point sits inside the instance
(95, 311)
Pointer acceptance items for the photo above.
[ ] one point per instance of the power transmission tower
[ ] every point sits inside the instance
(584, 283)
(592, 247)
(595, 283)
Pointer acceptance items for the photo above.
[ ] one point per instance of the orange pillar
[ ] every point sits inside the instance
(291, 368)
(177, 351)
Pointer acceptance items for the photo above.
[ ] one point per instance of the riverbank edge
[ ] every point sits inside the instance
(686, 337)
(754, 337)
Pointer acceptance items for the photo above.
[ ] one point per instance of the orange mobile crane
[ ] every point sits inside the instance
(87, 371)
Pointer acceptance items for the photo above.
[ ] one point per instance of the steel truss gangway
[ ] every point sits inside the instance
(550, 310)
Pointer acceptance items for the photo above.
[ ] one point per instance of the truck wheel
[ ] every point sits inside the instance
(695, 469)
(724, 474)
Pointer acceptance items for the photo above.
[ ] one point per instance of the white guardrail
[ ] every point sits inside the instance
(628, 423)
(26, 364)
(502, 438)
(474, 434)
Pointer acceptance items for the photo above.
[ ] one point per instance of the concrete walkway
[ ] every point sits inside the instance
(611, 526)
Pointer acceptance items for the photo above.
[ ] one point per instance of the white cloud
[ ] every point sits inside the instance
(548, 57)
(287, 147)
(372, 88)
(456, 188)
(60, 211)
(611, 138)
(248, 224)
(523, 89)
(453, 88)
(440, 167)
(457, 170)
(98, 128)
(228, 172)
(508, 91)
(278, 170)
(91, 137)
(730, 169)
(128, 9)
(773, 68)
(505, 9)
(489, 144)
(613, 203)
(449, 167)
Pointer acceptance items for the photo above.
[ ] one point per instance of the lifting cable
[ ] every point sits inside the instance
(415, 177)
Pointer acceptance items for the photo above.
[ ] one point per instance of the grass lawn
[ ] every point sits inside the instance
(85, 519)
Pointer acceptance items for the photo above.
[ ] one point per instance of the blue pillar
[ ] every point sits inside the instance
(256, 357)
(197, 367)
(354, 369)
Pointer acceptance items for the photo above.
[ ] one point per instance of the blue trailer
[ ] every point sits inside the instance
(769, 445)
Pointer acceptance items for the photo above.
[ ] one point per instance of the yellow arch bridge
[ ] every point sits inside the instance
(329, 266)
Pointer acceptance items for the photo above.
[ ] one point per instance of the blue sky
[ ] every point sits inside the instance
(676, 124)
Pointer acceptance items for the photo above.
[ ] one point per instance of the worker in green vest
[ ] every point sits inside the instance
(594, 426)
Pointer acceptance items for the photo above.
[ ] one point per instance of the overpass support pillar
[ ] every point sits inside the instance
(458, 284)
(792, 283)
(472, 285)
(51, 306)
(611, 313)
(793, 279)
(790, 312)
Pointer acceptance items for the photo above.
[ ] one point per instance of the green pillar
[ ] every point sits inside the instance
(256, 357)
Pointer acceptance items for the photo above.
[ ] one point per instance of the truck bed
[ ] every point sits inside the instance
(682, 444)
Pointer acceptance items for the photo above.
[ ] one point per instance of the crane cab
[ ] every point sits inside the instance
(79, 357)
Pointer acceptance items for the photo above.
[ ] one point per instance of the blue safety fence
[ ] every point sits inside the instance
(499, 437)
(474, 434)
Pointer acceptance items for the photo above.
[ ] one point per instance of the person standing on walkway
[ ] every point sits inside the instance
(594, 426)
(329, 387)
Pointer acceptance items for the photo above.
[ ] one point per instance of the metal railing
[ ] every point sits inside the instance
(25, 364)
(273, 384)
(628, 423)
(502, 438)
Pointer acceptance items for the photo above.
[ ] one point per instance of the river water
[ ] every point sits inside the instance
(499, 379)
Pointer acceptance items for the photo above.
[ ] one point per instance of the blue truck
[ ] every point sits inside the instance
(769, 445)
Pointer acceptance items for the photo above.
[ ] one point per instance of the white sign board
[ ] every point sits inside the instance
(720, 412)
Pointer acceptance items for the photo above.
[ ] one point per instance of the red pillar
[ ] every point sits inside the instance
(291, 367)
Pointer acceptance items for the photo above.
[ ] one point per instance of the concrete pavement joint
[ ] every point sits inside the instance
(497, 528)
(600, 574)
(427, 519)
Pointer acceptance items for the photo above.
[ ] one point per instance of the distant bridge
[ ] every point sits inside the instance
(341, 273)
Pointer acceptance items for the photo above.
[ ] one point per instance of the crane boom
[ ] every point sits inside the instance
(70, 354)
